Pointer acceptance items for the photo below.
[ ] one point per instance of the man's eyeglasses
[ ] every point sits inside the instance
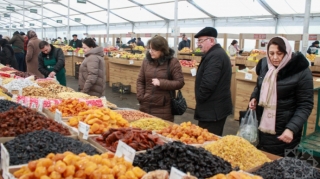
(201, 41)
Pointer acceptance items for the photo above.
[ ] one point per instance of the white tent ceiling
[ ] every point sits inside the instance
(94, 12)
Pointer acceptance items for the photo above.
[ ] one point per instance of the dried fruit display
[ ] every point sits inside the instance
(25, 74)
(5, 68)
(69, 165)
(70, 107)
(46, 83)
(23, 120)
(5, 105)
(38, 91)
(287, 167)
(57, 88)
(235, 175)
(197, 161)
(77, 95)
(38, 144)
(150, 124)
(242, 155)
(6, 80)
(19, 84)
(5, 95)
(136, 138)
(188, 133)
(100, 120)
(133, 115)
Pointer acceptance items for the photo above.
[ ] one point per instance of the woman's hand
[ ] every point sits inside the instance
(155, 82)
(253, 104)
(286, 136)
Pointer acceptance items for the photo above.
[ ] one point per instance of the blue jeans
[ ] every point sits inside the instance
(21, 61)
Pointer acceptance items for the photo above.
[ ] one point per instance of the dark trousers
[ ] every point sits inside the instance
(215, 127)
(21, 62)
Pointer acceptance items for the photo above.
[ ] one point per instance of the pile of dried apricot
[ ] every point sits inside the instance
(69, 166)
(100, 120)
(188, 133)
(70, 107)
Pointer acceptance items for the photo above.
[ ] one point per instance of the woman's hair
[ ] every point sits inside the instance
(42, 44)
(278, 41)
(90, 43)
(160, 44)
(3, 42)
(234, 42)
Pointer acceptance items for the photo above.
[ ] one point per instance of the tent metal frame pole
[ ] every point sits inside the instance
(305, 37)
(42, 34)
(276, 25)
(108, 19)
(10, 27)
(175, 27)
(68, 30)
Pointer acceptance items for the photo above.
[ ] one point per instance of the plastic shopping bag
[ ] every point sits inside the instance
(249, 127)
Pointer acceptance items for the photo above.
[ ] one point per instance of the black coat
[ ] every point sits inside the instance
(212, 86)
(7, 57)
(309, 49)
(56, 53)
(294, 102)
(183, 44)
(78, 43)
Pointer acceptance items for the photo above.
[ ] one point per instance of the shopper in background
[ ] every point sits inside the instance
(132, 41)
(17, 42)
(58, 41)
(33, 53)
(51, 62)
(140, 43)
(25, 43)
(153, 85)
(65, 41)
(75, 42)
(233, 48)
(92, 72)
(314, 44)
(118, 42)
(7, 56)
(184, 43)
(212, 84)
(284, 94)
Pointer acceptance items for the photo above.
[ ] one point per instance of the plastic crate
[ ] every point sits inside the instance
(120, 88)
(116, 87)
(126, 89)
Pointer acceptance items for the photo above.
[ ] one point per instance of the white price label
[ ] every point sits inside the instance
(117, 56)
(131, 62)
(40, 104)
(2, 97)
(124, 150)
(84, 129)
(58, 116)
(4, 159)
(193, 72)
(103, 98)
(33, 105)
(74, 53)
(176, 174)
(248, 76)
(20, 92)
(0, 81)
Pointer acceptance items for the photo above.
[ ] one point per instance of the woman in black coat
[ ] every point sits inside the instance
(7, 56)
(284, 94)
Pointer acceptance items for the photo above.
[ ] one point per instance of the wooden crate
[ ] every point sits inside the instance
(69, 65)
(233, 84)
(106, 61)
(244, 88)
(76, 59)
(188, 88)
(241, 60)
(250, 64)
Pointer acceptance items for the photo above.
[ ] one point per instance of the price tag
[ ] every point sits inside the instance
(0, 81)
(176, 174)
(248, 76)
(58, 116)
(2, 97)
(131, 62)
(193, 72)
(103, 98)
(117, 56)
(74, 53)
(4, 159)
(40, 104)
(84, 129)
(124, 150)
(33, 106)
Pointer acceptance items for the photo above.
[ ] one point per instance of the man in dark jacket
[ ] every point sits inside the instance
(140, 43)
(17, 42)
(212, 85)
(184, 43)
(132, 41)
(51, 62)
(314, 44)
(75, 43)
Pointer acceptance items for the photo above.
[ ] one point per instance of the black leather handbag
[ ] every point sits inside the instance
(178, 103)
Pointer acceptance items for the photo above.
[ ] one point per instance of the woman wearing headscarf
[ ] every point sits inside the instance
(283, 97)
(33, 52)
(7, 55)
(17, 42)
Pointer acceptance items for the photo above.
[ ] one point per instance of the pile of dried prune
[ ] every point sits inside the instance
(5, 105)
(39, 144)
(25, 74)
(197, 161)
(21, 120)
(288, 168)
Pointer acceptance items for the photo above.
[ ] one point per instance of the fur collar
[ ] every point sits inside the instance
(162, 59)
(297, 64)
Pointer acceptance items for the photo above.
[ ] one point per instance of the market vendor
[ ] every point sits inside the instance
(51, 62)
(314, 44)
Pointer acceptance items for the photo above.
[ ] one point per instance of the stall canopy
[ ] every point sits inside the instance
(28, 13)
